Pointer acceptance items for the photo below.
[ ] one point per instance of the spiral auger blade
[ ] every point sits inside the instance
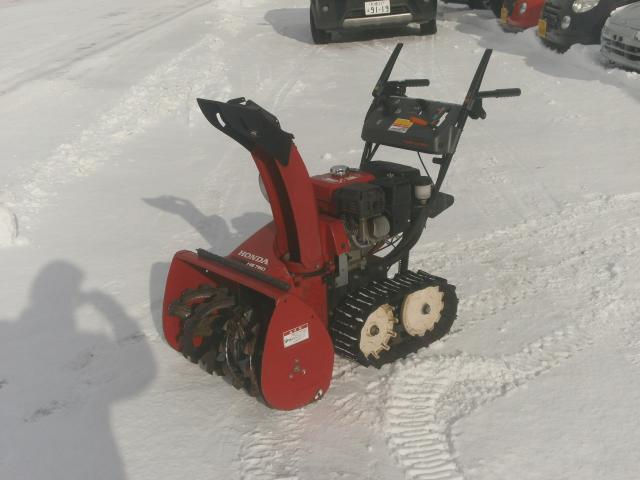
(239, 353)
(222, 335)
(200, 311)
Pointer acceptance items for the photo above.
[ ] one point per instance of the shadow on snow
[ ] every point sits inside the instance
(212, 228)
(62, 378)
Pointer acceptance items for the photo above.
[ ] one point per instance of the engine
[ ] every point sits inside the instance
(376, 206)
(375, 211)
(362, 208)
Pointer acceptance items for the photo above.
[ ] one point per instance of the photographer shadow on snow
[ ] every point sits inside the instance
(294, 23)
(73, 353)
(212, 228)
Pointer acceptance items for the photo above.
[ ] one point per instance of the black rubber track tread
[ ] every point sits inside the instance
(349, 317)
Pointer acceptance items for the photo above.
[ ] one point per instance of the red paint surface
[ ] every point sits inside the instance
(529, 18)
(325, 186)
(292, 376)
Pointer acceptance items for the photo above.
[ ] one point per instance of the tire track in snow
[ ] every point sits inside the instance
(169, 90)
(350, 407)
(269, 452)
(629, 308)
(426, 395)
(90, 44)
(536, 257)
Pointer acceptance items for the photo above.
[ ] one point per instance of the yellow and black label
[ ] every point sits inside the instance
(400, 125)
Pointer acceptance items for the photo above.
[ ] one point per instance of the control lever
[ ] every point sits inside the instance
(476, 111)
(399, 87)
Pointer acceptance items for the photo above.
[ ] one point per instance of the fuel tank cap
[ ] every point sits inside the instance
(339, 170)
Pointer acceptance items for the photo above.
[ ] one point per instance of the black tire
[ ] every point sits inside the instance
(554, 46)
(320, 37)
(495, 6)
(476, 4)
(429, 28)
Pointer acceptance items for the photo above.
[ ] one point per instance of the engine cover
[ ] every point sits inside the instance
(364, 200)
(397, 183)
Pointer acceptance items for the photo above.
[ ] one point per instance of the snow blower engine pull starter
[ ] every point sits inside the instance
(314, 281)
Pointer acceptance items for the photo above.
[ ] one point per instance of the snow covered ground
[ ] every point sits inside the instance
(108, 168)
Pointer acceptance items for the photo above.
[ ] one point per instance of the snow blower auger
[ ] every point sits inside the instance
(269, 316)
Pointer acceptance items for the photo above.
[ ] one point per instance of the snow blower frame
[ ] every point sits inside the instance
(269, 316)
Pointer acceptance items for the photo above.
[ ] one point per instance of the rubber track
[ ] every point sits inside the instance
(349, 317)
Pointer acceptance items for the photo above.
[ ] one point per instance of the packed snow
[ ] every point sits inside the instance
(8, 227)
(109, 168)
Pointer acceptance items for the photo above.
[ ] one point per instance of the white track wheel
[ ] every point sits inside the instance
(421, 310)
(377, 331)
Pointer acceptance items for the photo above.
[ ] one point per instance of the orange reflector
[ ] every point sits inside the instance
(419, 121)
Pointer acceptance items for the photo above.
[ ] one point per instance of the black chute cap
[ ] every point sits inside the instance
(250, 125)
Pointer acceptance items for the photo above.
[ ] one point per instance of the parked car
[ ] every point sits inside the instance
(328, 16)
(621, 37)
(565, 22)
(519, 15)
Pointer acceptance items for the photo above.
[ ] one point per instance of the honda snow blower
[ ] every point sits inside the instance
(269, 316)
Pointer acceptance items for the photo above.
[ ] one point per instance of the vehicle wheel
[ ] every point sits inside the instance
(477, 4)
(319, 36)
(429, 28)
(495, 6)
(553, 46)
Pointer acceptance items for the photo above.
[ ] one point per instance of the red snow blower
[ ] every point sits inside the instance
(269, 316)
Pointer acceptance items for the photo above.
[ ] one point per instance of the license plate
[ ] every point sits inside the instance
(542, 28)
(503, 15)
(379, 7)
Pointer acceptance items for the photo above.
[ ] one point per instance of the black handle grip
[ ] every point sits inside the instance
(416, 82)
(501, 92)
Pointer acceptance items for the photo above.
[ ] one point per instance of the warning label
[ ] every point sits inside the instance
(400, 125)
(295, 335)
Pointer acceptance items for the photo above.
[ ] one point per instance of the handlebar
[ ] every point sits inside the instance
(416, 82)
(501, 92)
